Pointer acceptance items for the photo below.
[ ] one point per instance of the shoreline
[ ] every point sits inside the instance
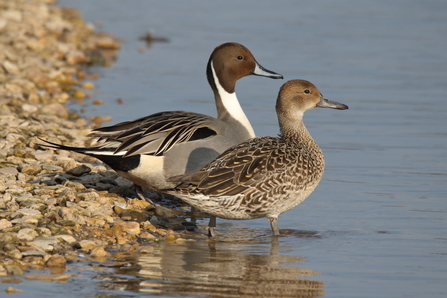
(57, 205)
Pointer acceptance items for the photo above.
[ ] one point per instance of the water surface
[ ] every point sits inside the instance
(376, 224)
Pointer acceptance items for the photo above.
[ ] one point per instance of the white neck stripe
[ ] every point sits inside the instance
(231, 104)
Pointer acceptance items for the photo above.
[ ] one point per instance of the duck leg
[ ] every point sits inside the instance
(274, 225)
(212, 226)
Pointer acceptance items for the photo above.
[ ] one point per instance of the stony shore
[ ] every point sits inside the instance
(56, 205)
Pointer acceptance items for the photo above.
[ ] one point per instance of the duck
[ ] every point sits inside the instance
(262, 177)
(151, 149)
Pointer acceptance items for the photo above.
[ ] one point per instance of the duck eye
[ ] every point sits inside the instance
(307, 91)
(240, 57)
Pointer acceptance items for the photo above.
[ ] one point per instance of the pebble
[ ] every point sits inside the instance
(26, 234)
(45, 243)
(11, 290)
(30, 212)
(85, 245)
(5, 224)
(129, 226)
(33, 253)
(99, 252)
(56, 261)
(14, 270)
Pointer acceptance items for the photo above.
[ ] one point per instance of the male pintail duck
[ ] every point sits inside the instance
(149, 150)
(263, 176)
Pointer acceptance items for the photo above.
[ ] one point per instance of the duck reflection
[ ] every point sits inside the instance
(221, 269)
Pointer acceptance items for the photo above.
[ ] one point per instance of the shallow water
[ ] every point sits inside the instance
(376, 224)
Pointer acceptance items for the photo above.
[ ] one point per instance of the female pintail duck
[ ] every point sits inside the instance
(263, 176)
(149, 150)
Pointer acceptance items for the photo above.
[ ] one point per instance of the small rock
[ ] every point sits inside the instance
(71, 255)
(5, 224)
(99, 252)
(86, 245)
(14, 270)
(43, 232)
(130, 226)
(66, 238)
(141, 203)
(9, 171)
(107, 42)
(42, 155)
(10, 67)
(147, 236)
(11, 290)
(30, 212)
(55, 109)
(147, 250)
(133, 216)
(26, 234)
(29, 108)
(79, 170)
(66, 223)
(88, 196)
(25, 220)
(88, 85)
(163, 211)
(30, 169)
(118, 210)
(12, 15)
(45, 243)
(123, 182)
(56, 261)
(34, 253)
(75, 57)
(3, 271)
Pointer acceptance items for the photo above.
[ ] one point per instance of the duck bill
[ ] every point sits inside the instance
(326, 103)
(261, 71)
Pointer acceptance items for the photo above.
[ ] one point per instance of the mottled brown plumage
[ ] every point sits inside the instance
(264, 176)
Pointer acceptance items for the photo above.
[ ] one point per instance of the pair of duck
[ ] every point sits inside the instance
(188, 154)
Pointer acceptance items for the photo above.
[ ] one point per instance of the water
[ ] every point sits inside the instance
(376, 224)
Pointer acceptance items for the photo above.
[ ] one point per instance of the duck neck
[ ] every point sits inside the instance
(296, 132)
(228, 107)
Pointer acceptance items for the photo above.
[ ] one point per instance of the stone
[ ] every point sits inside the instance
(66, 239)
(56, 261)
(3, 271)
(14, 270)
(5, 224)
(99, 252)
(29, 108)
(10, 67)
(30, 169)
(25, 220)
(56, 109)
(79, 170)
(11, 290)
(30, 212)
(85, 245)
(130, 226)
(43, 232)
(27, 234)
(163, 211)
(45, 243)
(9, 171)
(141, 203)
(34, 253)
(133, 216)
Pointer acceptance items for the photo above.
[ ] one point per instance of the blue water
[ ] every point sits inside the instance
(376, 225)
